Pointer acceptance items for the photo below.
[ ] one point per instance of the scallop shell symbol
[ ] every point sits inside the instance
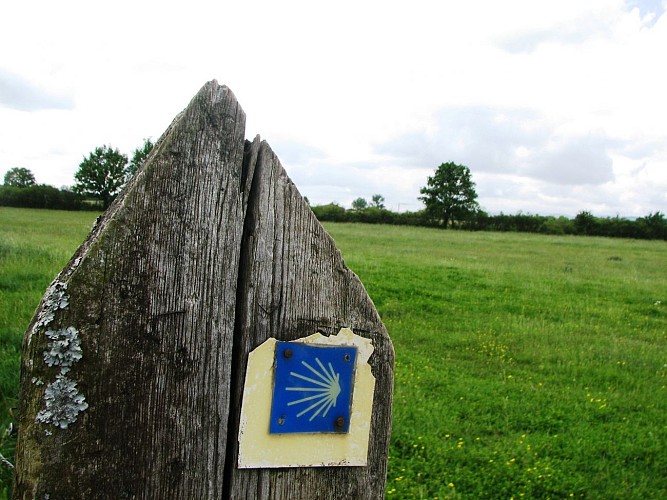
(326, 390)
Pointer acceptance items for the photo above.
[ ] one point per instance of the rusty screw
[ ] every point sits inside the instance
(287, 353)
(339, 422)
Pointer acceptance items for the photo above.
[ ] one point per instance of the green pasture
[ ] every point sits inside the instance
(34, 246)
(526, 366)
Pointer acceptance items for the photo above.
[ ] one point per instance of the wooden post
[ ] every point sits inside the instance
(133, 366)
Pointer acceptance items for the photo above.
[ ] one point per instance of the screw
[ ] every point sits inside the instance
(281, 420)
(346, 357)
(339, 422)
(287, 353)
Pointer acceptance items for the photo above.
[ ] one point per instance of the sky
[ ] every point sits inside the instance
(555, 107)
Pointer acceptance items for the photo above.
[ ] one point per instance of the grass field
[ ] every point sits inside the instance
(526, 366)
(34, 246)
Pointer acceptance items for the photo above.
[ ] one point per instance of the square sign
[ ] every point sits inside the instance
(325, 446)
(312, 391)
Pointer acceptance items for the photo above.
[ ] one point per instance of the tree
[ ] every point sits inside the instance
(138, 158)
(377, 201)
(331, 212)
(654, 226)
(585, 223)
(359, 204)
(19, 177)
(101, 175)
(450, 194)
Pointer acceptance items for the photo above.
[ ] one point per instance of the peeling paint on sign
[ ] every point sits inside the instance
(259, 448)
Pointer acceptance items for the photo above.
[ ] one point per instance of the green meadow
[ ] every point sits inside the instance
(34, 246)
(527, 366)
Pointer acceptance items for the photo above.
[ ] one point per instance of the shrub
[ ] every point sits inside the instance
(43, 196)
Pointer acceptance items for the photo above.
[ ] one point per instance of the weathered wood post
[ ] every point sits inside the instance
(134, 365)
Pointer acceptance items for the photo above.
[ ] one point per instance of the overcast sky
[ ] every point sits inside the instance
(555, 106)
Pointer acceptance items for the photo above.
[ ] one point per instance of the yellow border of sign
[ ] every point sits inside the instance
(259, 449)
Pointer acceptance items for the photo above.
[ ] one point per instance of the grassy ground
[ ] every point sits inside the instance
(34, 246)
(527, 365)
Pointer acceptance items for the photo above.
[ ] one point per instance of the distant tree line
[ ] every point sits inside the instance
(333, 212)
(651, 227)
(450, 202)
(449, 197)
(43, 196)
(100, 177)
(21, 190)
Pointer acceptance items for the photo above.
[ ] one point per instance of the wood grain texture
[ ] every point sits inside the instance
(207, 253)
(294, 282)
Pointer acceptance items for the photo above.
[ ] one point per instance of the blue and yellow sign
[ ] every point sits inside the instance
(312, 390)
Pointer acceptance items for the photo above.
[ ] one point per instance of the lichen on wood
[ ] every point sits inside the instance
(64, 348)
(63, 403)
(56, 298)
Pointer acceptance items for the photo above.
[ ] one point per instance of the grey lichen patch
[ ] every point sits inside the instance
(63, 403)
(56, 298)
(64, 349)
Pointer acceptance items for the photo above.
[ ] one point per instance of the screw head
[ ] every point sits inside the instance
(287, 353)
(339, 422)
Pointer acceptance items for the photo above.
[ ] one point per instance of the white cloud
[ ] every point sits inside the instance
(505, 141)
(20, 94)
(581, 160)
(361, 97)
